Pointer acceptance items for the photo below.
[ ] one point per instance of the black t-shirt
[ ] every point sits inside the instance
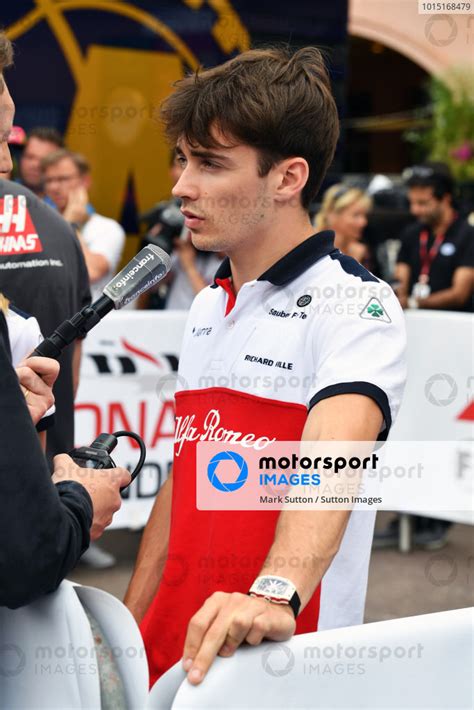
(43, 272)
(456, 249)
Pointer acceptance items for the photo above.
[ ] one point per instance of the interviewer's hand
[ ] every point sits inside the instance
(103, 486)
(37, 376)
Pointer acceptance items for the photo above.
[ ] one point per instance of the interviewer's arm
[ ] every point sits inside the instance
(151, 555)
(45, 528)
(47, 523)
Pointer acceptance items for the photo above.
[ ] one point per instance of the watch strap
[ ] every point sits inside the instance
(294, 602)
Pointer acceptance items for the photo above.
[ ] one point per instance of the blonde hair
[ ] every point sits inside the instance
(4, 303)
(336, 199)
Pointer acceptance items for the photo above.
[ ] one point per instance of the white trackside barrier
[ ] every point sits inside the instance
(438, 404)
(48, 660)
(417, 662)
(48, 655)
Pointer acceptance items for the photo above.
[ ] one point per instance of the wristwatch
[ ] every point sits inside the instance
(278, 590)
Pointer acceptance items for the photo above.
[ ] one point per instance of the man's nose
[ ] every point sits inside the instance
(6, 165)
(186, 187)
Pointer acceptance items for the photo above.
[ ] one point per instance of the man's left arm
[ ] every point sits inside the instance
(454, 297)
(227, 620)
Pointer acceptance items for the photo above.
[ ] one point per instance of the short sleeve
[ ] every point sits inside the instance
(465, 255)
(110, 244)
(404, 255)
(106, 237)
(362, 351)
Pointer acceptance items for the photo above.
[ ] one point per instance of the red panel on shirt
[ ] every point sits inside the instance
(214, 550)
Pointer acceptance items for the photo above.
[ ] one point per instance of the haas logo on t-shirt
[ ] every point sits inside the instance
(17, 231)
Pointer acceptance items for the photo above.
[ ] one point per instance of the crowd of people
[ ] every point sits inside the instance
(435, 251)
(59, 253)
(435, 259)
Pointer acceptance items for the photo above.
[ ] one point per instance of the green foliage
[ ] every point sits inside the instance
(450, 135)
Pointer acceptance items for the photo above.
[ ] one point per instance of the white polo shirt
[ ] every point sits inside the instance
(105, 236)
(24, 335)
(314, 325)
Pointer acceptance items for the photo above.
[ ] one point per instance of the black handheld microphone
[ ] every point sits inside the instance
(146, 269)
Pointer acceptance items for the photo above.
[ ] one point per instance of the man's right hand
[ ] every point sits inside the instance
(76, 208)
(103, 486)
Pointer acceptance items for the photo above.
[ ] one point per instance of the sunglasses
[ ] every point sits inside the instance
(418, 171)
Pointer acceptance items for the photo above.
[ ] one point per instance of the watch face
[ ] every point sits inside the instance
(274, 587)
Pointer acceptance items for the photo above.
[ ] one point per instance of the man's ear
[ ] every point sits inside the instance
(291, 175)
(447, 199)
(87, 181)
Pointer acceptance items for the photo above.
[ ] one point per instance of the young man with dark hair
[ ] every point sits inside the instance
(40, 142)
(435, 265)
(255, 137)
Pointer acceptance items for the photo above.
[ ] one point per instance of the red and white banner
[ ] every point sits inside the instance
(128, 378)
(129, 374)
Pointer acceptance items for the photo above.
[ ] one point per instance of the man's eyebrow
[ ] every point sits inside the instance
(206, 154)
(209, 154)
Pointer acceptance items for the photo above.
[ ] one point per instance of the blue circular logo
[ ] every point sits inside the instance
(240, 463)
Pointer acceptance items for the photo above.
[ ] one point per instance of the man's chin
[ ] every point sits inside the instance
(428, 222)
(202, 241)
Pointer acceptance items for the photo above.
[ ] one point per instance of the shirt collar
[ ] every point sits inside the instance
(293, 264)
